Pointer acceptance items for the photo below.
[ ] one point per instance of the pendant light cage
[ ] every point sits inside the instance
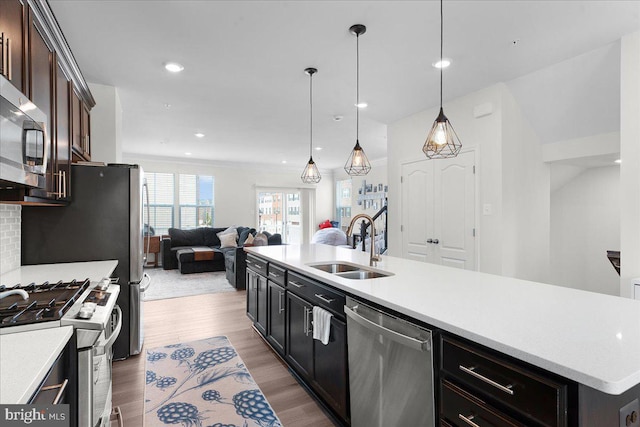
(357, 163)
(442, 141)
(311, 174)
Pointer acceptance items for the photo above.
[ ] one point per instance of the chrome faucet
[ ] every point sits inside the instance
(20, 292)
(373, 258)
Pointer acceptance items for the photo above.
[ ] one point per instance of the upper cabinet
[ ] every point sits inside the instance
(13, 15)
(37, 60)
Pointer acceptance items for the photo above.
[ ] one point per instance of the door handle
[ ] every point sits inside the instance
(436, 241)
(429, 240)
(280, 305)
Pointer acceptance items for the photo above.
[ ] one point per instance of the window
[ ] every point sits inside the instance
(196, 201)
(182, 201)
(343, 202)
(161, 193)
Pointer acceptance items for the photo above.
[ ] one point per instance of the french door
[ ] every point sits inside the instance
(280, 211)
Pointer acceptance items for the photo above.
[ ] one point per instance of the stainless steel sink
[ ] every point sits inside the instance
(349, 271)
(336, 267)
(362, 274)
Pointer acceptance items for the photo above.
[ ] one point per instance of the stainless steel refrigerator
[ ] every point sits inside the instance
(103, 221)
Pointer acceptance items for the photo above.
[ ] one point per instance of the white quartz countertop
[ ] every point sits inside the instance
(590, 338)
(25, 359)
(92, 270)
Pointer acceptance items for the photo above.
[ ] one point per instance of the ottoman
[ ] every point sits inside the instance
(199, 259)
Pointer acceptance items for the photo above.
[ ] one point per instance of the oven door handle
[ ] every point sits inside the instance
(102, 349)
(144, 288)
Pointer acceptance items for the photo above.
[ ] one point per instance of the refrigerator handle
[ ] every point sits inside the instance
(144, 288)
(146, 252)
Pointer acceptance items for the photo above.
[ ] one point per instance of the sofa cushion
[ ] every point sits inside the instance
(228, 240)
(274, 239)
(211, 236)
(193, 237)
(244, 234)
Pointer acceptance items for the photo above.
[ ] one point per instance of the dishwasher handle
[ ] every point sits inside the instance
(387, 333)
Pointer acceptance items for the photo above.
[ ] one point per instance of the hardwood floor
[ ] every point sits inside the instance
(192, 318)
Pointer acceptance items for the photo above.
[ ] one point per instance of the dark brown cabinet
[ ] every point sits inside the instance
(41, 88)
(299, 335)
(277, 317)
(80, 129)
(508, 393)
(12, 41)
(62, 160)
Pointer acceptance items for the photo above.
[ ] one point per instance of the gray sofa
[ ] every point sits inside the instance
(199, 250)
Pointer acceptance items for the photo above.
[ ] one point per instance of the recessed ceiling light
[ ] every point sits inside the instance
(187, 154)
(318, 148)
(174, 67)
(362, 105)
(619, 161)
(442, 64)
(284, 162)
(167, 106)
(199, 135)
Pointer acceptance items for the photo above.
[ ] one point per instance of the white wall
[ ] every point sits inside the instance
(585, 223)
(404, 144)
(630, 166)
(106, 124)
(235, 186)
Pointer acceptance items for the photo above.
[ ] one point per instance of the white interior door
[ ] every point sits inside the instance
(417, 208)
(454, 211)
(438, 211)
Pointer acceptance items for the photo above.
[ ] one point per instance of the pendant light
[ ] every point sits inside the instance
(311, 174)
(357, 163)
(442, 141)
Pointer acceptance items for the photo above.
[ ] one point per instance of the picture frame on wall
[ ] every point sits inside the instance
(380, 187)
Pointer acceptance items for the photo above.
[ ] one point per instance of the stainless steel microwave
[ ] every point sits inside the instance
(24, 142)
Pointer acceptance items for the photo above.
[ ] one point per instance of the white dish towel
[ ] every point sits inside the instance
(321, 324)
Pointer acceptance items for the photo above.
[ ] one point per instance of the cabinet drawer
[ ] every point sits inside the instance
(256, 264)
(461, 409)
(528, 393)
(277, 274)
(316, 293)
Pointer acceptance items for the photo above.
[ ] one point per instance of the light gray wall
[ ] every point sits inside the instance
(106, 124)
(585, 223)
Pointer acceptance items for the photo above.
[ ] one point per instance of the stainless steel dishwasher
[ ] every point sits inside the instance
(390, 369)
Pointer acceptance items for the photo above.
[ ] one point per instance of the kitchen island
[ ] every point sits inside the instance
(590, 339)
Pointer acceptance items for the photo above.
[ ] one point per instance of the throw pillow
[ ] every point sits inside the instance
(242, 236)
(230, 230)
(260, 240)
(228, 240)
(249, 240)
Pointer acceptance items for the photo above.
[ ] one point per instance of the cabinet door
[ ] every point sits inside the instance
(76, 124)
(252, 296)
(277, 316)
(261, 323)
(12, 38)
(299, 335)
(63, 132)
(86, 131)
(41, 63)
(330, 368)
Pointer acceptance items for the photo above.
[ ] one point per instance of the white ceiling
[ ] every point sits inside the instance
(244, 85)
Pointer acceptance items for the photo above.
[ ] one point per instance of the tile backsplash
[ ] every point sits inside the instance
(10, 217)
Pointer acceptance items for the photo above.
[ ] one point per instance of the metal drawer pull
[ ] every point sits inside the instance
(280, 305)
(323, 298)
(471, 371)
(468, 420)
(271, 273)
(296, 284)
(259, 267)
(62, 388)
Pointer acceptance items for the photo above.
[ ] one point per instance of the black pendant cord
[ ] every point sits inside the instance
(310, 115)
(441, 43)
(357, 87)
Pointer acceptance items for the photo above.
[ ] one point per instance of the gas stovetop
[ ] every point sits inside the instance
(46, 302)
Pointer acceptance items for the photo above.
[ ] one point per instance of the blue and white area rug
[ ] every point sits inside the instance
(203, 384)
